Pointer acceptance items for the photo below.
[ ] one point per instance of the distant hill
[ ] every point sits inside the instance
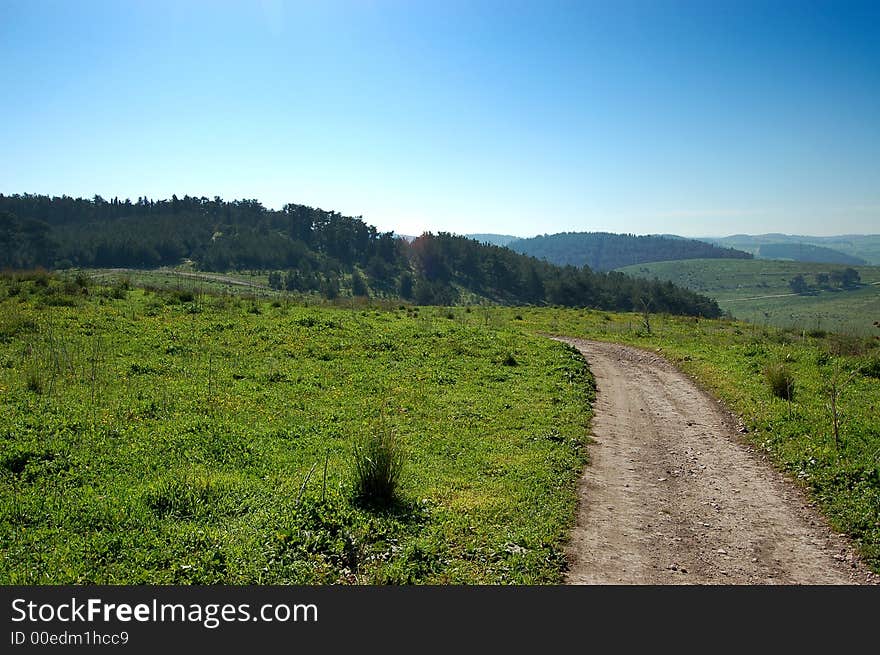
(806, 252)
(603, 251)
(493, 239)
(865, 248)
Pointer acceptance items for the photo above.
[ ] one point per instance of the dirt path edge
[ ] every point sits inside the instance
(675, 494)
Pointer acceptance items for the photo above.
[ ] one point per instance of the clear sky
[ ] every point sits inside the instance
(695, 118)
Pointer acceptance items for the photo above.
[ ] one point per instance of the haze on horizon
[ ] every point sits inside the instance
(522, 118)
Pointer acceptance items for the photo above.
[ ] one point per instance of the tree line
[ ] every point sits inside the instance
(846, 278)
(309, 250)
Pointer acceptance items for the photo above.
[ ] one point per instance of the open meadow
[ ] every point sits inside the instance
(172, 436)
(167, 437)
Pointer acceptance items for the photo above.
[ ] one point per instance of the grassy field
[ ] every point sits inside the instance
(162, 437)
(253, 284)
(172, 437)
(758, 291)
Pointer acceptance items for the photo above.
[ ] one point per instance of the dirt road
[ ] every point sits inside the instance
(674, 496)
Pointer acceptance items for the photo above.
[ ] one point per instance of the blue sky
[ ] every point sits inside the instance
(695, 118)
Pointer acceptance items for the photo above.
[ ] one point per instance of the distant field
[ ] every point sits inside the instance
(865, 246)
(758, 291)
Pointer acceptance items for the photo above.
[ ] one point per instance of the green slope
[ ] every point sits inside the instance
(863, 246)
(757, 290)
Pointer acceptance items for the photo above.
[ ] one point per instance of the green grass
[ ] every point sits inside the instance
(211, 440)
(246, 284)
(757, 291)
(185, 278)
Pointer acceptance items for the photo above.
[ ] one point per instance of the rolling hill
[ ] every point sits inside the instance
(806, 252)
(865, 247)
(306, 250)
(603, 251)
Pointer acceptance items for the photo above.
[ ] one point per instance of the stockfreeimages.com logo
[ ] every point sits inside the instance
(209, 615)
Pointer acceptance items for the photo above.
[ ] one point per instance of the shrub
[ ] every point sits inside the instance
(40, 277)
(358, 285)
(780, 380)
(871, 368)
(378, 460)
(119, 290)
(847, 345)
(13, 324)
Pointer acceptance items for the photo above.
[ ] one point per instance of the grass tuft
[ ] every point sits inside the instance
(780, 380)
(34, 380)
(378, 460)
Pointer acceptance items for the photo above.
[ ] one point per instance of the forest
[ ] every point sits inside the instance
(310, 250)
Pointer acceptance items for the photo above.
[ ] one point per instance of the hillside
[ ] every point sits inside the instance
(865, 247)
(307, 251)
(805, 252)
(603, 251)
(760, 291)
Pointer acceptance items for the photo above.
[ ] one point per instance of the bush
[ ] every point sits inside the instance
(358, 286)
(13, 324)
(378, 460)
(847, 345)
(82, 280)
(871, 368)
(40, 277)
(780, 380)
